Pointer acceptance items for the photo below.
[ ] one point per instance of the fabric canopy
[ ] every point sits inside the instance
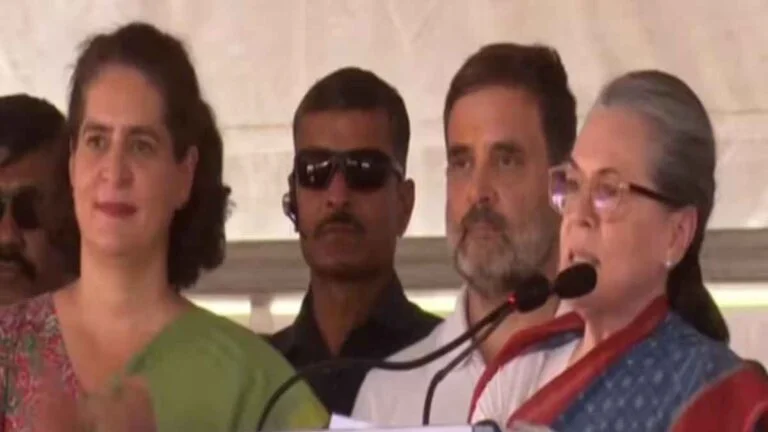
(256, 58)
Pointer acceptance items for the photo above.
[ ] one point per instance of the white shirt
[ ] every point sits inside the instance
(391, 398)
(508, 389)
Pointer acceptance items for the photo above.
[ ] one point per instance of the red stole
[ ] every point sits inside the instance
(555, 397)
(735, 403)
(549, 402)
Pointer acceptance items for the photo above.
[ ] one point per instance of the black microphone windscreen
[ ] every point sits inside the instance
(532, 293)
(575, 281)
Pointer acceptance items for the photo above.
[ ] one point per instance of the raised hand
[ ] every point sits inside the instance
(121, 408)
(126, 407)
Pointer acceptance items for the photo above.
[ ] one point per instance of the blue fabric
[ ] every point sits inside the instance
(646, 389)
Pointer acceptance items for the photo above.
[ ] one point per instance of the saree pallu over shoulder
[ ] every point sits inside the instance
(657, 374)
(736, 402)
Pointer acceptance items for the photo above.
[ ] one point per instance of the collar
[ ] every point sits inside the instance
(457, 323)
(391, 310)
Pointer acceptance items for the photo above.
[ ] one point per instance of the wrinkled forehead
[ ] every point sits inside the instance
(614, 139)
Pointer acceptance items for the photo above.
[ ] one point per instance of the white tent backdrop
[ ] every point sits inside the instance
(256, 58)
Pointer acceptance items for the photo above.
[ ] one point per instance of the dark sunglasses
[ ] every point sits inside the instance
(24, 205)
(363, 170)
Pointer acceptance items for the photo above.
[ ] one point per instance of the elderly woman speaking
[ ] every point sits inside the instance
(647, 349)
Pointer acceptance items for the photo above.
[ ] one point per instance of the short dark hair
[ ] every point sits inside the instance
(197, 237)
(536, 69)
(27, 124)
(352, 88)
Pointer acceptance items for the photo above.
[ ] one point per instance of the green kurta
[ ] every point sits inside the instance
(206, 373)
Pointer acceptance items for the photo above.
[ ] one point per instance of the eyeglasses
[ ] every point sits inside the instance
(363, 169)
(607, 191)
(24, 207)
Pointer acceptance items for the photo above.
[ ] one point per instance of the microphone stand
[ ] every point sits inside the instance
(534, 296)
(442, 373)
(573, 282)
(497, 315)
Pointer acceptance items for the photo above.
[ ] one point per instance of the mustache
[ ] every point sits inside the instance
(484, 214)
(12, 255)
(339, 218)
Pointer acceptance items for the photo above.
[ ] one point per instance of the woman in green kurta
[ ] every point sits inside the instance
(200, 373)
(233, 375)
(147, 205)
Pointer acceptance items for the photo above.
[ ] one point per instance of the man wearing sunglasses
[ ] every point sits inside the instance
(508, 116)
(350, 201)
(30, 129)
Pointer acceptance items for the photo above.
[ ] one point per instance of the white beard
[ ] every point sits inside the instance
(493, 266)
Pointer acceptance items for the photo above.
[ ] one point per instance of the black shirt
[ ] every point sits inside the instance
(394, 324)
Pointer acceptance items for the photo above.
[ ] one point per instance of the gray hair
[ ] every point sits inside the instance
(683, 169)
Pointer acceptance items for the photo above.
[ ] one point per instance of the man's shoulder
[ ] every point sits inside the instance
(396, 397)
(282, 339)
(399, 387)
(424, 345)
(440, 332)
(427, 344)
(426, 320)
(415, 329)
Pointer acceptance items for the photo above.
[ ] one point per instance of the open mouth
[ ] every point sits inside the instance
(116, 209)
(582, 257)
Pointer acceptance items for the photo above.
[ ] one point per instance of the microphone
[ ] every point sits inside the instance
(525, 300)
(573, 282)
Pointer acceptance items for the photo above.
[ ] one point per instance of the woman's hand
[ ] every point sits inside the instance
(123, 408)
(127, 407)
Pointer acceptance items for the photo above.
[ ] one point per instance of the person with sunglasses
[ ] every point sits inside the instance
(350, 201)
(509, 115)
(30, 145)
(120, 347)
(648, 348)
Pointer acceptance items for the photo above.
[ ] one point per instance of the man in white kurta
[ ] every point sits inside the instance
(406, 390)
(509, 116)
(397, 398)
